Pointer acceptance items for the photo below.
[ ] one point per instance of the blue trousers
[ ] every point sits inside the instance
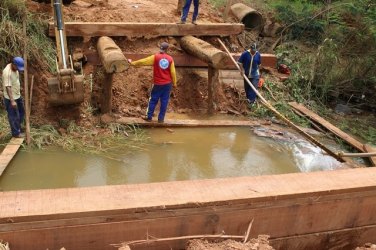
(251, 95)
(186, 7)
(15, 115)
(159, 92)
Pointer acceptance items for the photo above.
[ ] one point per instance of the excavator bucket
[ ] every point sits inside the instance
(60, 96)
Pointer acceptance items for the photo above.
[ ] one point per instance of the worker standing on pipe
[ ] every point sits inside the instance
(164, 77)
(250, 61)
(185, 11)
(12, 95)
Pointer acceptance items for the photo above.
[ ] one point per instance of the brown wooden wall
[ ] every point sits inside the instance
(320, 210)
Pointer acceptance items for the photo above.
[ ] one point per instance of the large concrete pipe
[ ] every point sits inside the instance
(111, 55)
(251, 18)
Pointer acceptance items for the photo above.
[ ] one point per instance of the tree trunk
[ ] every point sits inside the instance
(204, 51)
(111, 56)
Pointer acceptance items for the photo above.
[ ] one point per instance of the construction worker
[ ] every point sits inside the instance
(185, 11)
(250, 61)
(164, 77)
(12, 95)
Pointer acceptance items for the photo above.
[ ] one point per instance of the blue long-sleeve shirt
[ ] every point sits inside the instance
(250, 63)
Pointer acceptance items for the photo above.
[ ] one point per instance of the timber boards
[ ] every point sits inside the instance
(149, 30)
(316, 118)
(9, 152)
(181, 122)
(284, 206)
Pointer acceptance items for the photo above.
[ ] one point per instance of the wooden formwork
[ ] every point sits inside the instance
(319, 210)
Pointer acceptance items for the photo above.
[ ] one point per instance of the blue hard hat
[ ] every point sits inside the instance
(19, 62)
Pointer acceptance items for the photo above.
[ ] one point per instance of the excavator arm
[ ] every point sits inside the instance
(67, 87)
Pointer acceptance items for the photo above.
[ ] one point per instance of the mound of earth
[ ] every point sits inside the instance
(131, 88)
(261, 243)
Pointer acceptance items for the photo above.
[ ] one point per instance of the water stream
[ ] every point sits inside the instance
(180, 154)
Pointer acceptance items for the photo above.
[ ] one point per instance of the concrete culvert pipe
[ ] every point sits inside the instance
(251, 18)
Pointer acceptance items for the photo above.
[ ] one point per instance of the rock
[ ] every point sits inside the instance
(342, 109)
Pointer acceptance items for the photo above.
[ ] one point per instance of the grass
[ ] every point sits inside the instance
(106, 141)
(40, 49)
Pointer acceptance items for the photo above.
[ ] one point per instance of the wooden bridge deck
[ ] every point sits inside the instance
(148, 29)
(180, 123)
(9, 152)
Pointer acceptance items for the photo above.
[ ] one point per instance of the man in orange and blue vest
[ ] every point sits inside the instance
(164, 75)
(250, 61)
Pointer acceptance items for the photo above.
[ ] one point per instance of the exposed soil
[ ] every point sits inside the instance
(131, 88)
(261, 243)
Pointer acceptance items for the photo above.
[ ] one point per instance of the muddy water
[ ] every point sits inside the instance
(178, 154)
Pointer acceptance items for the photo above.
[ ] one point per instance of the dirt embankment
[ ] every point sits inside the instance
(131, 88)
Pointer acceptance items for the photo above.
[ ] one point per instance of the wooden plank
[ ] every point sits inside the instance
(184, 59)
(180, 123)
(132, 30)
(9, 152)
(179, 193)
(331, 240)
(368, 149)
(313, 116)
(282, 205)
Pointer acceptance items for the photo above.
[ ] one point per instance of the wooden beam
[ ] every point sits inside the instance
(106, 99)
(9, 152)
(185, 59)
(149, 30)
(287, 207)
(111, 56)
(178, 123)
(313, 116)
(213, 78)
(206, 52)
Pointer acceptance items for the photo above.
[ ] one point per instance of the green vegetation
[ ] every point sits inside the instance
(106, 141)
(12, 40)
(342, 65)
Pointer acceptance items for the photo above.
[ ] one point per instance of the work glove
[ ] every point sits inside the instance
(130, 60)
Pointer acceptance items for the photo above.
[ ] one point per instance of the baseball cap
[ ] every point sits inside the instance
(164, 46)
(253, 46)
(19, 62)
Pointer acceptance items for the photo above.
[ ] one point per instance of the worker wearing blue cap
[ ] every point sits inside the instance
(12, 95)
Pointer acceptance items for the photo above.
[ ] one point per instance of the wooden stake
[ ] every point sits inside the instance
(282, 117)
(26, 86)
(31, 93)
(106, 103)
(213, 78)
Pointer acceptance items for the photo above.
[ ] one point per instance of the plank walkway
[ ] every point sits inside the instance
(179, 123)
(148, 30)
(9, 152)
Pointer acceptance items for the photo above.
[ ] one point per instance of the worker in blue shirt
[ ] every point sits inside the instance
(250, 61)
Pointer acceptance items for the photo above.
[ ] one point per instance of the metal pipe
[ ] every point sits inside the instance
(60, 28)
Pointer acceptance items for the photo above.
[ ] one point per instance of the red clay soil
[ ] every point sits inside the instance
(131, 88)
